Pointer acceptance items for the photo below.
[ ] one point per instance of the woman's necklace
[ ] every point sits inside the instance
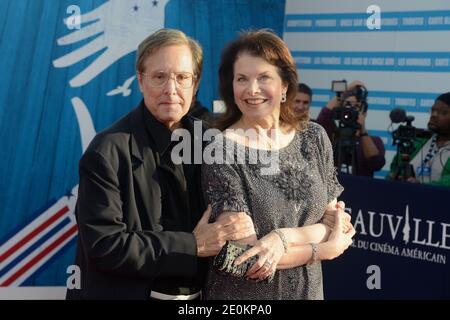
(257, 139)
(253, 136)
(269, 141)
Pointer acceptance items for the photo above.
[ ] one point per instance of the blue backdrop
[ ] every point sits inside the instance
(40, 91)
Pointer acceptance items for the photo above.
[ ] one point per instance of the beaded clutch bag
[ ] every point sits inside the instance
(224, 262)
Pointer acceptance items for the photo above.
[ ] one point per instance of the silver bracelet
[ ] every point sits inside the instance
(282, 237)
(314, 252)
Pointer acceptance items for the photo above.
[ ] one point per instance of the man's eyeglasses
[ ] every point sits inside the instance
(160, 78)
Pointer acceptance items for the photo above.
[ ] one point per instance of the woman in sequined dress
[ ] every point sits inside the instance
(278, 168)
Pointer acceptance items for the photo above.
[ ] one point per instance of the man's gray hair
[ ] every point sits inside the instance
(167, 37)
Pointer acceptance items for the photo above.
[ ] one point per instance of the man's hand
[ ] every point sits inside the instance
(230, 226)
(354, 84)
(362, 121)
(333, 103)
(329, 216)
(338, 241)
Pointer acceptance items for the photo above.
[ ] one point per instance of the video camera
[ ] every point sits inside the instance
(345, 119)
(345, 115)
(404, 138)
(405, 135)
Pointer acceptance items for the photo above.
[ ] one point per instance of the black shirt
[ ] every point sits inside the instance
(181, 197)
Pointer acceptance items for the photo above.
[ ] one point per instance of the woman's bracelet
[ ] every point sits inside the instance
(280, 233)
(314, 252)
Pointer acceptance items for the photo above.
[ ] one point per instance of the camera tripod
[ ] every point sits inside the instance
(404, 169)
(345, 154)
(345, 143)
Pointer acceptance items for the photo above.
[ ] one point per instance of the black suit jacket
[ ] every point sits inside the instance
(123, 245)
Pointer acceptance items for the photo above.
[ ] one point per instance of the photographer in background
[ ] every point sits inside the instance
(369, 150)
(431, 156)
(303, 99)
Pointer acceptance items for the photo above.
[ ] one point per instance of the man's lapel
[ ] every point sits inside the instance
(144, 163)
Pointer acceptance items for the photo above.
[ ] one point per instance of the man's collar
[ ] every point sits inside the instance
(159, 133)
(435, 137)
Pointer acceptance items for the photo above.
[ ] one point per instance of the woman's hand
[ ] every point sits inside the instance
(269, 250)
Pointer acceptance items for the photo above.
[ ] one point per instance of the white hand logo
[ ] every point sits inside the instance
(119, 26)
(116, 27)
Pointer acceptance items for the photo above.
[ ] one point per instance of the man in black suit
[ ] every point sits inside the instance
(139, 214)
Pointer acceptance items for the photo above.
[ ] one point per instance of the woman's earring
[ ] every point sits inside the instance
(283, 97)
